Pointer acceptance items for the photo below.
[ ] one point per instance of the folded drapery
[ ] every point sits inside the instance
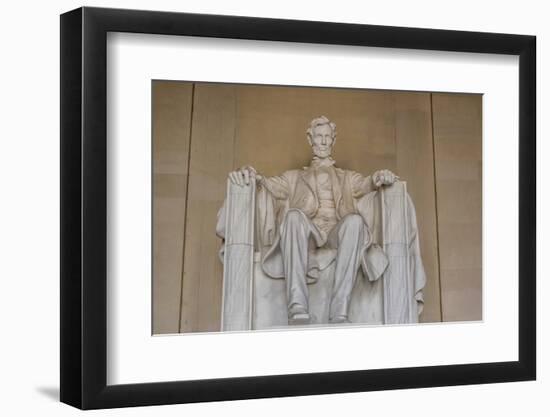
(392, 250)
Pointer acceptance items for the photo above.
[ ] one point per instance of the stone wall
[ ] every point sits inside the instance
(201, 131)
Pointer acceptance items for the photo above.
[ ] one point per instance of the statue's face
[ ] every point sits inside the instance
(322, 141)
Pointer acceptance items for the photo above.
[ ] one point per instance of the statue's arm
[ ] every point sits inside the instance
(278, 186)
(361, 185)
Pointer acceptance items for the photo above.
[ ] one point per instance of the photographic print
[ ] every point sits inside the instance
(286, 198)
(283, 207)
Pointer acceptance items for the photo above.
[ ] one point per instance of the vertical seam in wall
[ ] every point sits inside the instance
(235, 113)
(436, 211)
(186, 201)
(394, 99)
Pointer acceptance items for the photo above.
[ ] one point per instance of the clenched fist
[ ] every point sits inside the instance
(243, 175)
(384, 177)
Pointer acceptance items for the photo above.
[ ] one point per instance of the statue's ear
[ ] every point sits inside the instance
(309, 139)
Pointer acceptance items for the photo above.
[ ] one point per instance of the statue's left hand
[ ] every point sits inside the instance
(384, 177)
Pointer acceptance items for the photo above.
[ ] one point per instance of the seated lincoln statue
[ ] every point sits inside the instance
(354, 221)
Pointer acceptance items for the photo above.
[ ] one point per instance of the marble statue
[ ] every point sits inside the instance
(320, 218)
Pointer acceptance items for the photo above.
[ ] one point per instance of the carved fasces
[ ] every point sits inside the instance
(237, 303)
(400, 305)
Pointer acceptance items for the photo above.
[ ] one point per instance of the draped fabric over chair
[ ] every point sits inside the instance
(248, 223)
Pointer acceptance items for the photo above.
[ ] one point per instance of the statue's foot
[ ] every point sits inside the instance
(298, 314)
(299, 318)
(339, 320)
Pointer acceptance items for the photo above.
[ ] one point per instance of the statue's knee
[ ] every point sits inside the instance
(353, 220)
(294, 217)
(353, 228)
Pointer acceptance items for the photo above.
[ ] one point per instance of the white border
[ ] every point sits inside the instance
(134, 356)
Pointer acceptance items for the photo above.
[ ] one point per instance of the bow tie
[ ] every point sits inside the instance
(317, 162)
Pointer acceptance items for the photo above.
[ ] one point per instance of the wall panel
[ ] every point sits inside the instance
(264, 126)
(414, 145)
(458, 150)
(171, 121)
(211, 159)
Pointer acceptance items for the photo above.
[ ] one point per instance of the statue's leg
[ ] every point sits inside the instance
(349, 236)
(295, 231)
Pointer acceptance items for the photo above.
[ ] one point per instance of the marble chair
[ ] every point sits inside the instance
(253, 301)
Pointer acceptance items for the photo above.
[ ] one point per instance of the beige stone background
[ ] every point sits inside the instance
(202, 131)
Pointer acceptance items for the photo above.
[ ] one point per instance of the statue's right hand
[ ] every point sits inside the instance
(243, 175)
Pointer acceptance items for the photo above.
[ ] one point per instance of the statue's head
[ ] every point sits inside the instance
(321, 136)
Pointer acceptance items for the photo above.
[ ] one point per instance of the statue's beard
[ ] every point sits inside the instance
(322, 153)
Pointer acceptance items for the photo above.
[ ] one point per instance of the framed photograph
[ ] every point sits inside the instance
(257, 208)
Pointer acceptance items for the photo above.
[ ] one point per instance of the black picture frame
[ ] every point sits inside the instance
(84, 207)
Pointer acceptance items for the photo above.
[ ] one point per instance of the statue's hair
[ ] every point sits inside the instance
(320, 121)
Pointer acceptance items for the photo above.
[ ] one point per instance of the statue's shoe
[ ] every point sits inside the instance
(299, 318)
(339, 320)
